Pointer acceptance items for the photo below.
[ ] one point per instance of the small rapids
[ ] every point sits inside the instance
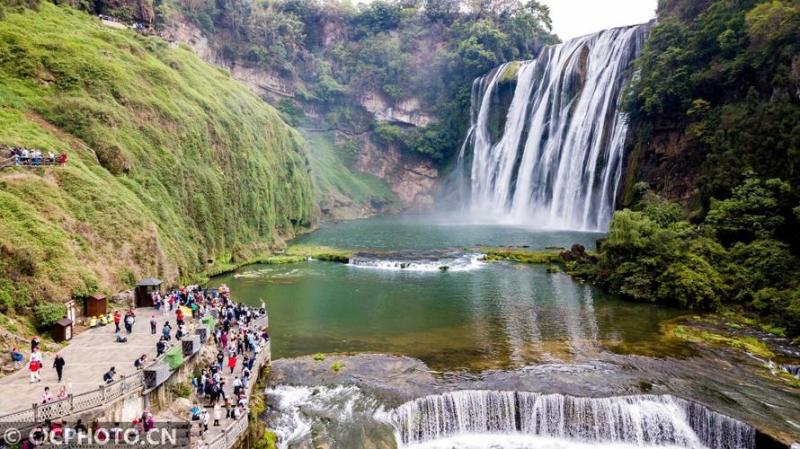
(473, 419)
(421, 263)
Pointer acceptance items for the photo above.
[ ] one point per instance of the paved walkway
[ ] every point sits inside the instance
(88, 356)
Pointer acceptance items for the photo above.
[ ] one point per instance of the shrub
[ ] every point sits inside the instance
(181, 389)
(48, 313)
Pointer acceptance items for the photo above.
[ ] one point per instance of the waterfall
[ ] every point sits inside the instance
(557, 161)
(420, 263)
(642, 420)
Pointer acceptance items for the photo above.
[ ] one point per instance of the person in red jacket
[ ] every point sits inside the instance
(117, 319)
(179, 316)
(232, 362)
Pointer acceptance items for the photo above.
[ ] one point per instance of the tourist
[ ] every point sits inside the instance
(139, 363)
(217, 414)
(149, 421)
(130, 318)
(46, 396)
(34, 343)
(161, 346)
(108, 377)
(80, 428)
(165, 331)
(237, 386)
(203, 422)
(223, 340)
(220, 359)
(62, 393)
(121, 338)
(34, 366)
(153, 325)
(58, 364)
(245, 376)
(232, 362)
(228, 409)
(17, 357)
(117, 319)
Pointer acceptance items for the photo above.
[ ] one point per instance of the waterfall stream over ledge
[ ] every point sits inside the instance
(641, 420)
(466, 419)
(554, 160)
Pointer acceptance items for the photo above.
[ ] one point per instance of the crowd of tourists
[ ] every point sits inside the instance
(35, 157)
(238, 344)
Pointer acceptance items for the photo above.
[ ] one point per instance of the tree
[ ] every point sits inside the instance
(757, 209)
(444, 11)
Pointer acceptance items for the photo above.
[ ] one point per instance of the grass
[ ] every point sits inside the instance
(527, 256)
(323, 253)
(334, 179)
(172, 163)
(749, 344)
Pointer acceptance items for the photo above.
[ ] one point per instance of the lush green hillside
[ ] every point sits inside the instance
(715, 112)
(172, 164)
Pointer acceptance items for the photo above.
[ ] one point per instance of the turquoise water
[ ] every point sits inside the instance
(414, 233)
(488, 315)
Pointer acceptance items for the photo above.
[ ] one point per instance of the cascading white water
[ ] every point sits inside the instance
(559, 158)
(436, 263)
(642, 420)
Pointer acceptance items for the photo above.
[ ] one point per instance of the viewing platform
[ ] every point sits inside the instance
(92, 352)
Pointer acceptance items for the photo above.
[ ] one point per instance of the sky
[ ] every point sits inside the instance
(573, 18)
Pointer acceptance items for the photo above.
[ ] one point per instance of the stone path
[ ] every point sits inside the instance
(88, 356)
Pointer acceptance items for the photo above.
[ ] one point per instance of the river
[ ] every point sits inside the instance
(491, 328)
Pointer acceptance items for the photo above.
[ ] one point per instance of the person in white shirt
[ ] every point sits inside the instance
(46, 396)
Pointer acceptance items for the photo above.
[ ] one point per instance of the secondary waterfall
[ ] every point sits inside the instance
(642, 420)
(554, 160)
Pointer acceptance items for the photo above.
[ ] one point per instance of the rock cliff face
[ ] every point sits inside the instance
(406, 112)
(411, 178)
(666, 161)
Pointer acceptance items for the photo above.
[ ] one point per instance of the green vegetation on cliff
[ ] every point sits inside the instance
(714, 113)
(719, 81)
(172, 164)
(414, 56)
(738, 257)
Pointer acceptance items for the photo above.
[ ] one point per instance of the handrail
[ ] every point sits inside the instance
(77, 403)
(82, 402)
(126, 385)
(230, 435)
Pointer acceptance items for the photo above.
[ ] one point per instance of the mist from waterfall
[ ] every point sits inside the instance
(557, 161)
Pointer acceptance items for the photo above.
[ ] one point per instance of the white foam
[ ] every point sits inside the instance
(497, 441)
(464, 262)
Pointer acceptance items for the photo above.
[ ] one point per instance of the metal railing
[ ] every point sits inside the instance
(77, 403)
(104, 394)
(230, 435)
